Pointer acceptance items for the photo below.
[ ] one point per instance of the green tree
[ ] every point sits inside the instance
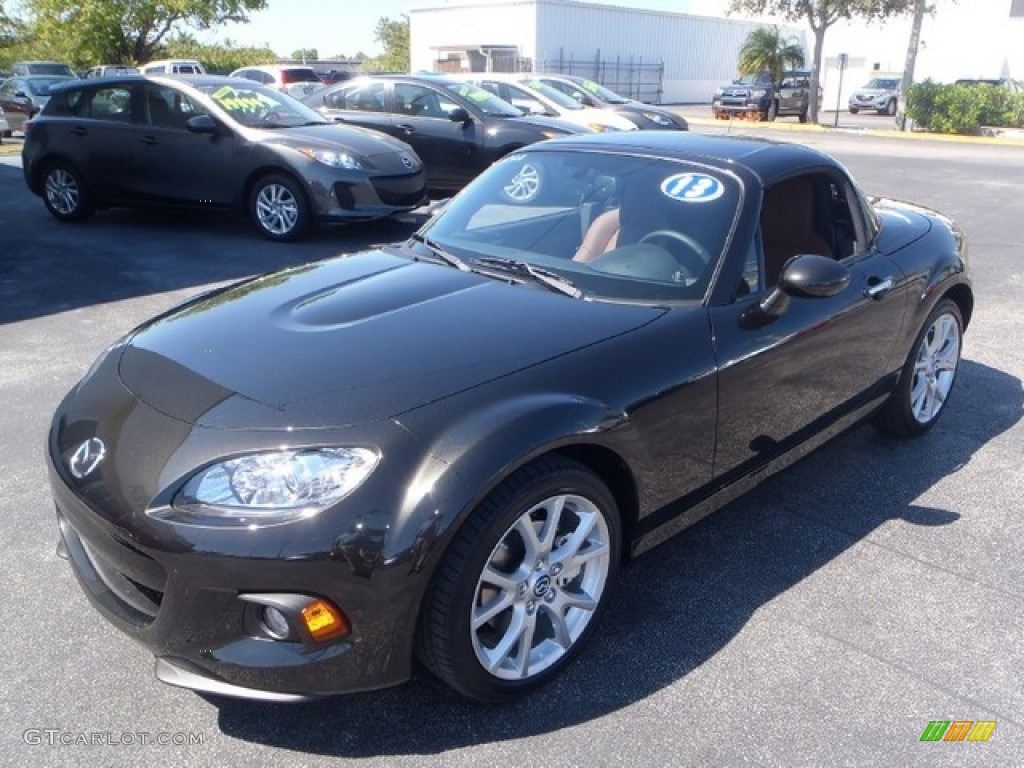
(218, 58)
(393, 34)
(820, 15)
(85, 32)
(306, 54)
(766, 49)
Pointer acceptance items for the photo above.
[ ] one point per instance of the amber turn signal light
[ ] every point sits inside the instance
(324, 621)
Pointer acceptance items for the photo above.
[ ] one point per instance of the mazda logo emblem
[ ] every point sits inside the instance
(541, 586)
(407, 161)
(87, 457)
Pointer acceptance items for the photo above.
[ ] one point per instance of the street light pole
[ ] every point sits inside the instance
(839, 93)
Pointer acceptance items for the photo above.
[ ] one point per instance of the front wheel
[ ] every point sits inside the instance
(523, 583)
(890, 108)
(928, 375)
(65, 193)
(279, 208)
(854, 110)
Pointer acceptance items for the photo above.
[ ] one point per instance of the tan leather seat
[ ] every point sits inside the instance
(787, 225)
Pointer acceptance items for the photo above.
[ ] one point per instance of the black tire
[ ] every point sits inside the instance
(890, 108)
(65, 193)
(803, 116)
(279, 208)
(541, 582)
(921, 396)
(854, 110)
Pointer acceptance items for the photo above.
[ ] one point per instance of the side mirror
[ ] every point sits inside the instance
(203, 124)
(811, 276)
(459, 115)
(807, 276)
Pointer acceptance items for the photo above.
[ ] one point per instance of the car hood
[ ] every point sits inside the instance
(550, 123)
(358, 140)
(353, 340)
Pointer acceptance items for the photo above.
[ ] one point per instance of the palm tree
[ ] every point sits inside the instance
(766, 49)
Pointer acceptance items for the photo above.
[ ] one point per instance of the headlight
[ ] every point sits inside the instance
(719, 92)
(601, 127)
(336, 159)
(269, 488)
(758, 94)
(552, 134)
(656, 117)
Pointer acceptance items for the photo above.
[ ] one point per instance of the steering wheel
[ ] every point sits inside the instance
(694, 260)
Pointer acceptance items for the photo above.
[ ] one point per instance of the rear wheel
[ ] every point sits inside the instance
(65, 193)
(522, 585)
(928, 375)
(279, 208)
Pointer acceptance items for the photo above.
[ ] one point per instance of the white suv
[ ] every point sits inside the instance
(173, 67)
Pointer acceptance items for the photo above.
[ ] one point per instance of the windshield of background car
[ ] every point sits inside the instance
(883, 85)
(753, 80)
(604, 94)
(254, 106)
(40, 86)
(549, 93)
(483, 100)
(556, 210)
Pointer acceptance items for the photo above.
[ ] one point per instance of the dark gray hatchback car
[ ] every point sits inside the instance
(212, 142)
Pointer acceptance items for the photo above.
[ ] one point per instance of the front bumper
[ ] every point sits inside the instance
(185, 592)
(874, 102)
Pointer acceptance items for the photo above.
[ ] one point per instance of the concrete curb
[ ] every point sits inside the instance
(1007, 140)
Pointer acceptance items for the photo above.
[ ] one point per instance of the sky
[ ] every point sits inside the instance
(966, 38)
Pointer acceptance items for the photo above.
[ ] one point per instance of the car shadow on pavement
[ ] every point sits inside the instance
(678, 606)
(47, 267)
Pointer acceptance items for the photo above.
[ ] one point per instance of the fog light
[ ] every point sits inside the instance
(324, 621)
(276, 623)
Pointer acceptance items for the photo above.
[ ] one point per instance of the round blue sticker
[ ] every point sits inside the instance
(693, 188)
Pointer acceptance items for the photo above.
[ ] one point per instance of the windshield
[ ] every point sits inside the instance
(761, 79)
(604, 94)
(549, 93)
(483, 100)
(884, 84)
(617, 227)
(40, 86)
(254, 106)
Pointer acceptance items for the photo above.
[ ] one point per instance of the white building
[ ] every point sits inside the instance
(655, 56)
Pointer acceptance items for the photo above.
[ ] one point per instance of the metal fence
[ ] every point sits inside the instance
(632, 77)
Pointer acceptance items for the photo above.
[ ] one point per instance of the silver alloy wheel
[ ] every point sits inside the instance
(62, 191)
(525, 185)
(935, 368)
(540, 587)
(277, 209)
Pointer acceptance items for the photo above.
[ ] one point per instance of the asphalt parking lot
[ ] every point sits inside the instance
(824, 619)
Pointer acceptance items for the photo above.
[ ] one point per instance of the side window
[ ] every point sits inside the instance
(369, 97)
(521, 98)
(168, 108)
(113, 104)
(794, 221)
(417, 100)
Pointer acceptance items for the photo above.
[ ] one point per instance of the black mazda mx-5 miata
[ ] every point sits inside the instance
(290, 486)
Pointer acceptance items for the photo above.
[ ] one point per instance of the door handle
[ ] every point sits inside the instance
(878, 288)
(406, 128)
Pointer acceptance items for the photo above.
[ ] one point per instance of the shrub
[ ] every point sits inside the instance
(963, 109)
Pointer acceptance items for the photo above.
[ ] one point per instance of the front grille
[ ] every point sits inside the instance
(404, 190)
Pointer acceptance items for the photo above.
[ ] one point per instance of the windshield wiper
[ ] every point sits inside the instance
(545, 277)
(448, 258)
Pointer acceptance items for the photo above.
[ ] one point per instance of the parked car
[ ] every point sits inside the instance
(47, 68)
(881, 94)
(23, 97)
(173, 67)
(753, 96)
(533, 97)
(447, 446)
(5, 128)
(592, 94)
(1011, 85)
(296, 81)
(111, 70)
(212, 142)
(456, 128)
